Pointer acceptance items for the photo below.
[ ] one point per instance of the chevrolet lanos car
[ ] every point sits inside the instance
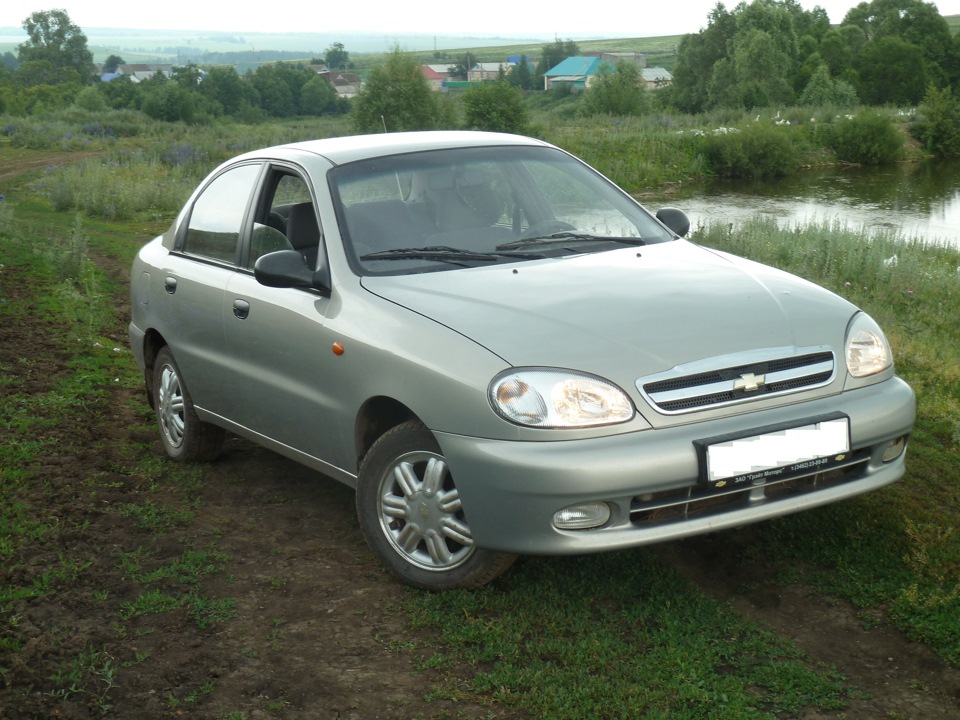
(503, 353)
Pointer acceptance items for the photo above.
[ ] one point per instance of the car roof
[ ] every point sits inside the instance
(346, 149)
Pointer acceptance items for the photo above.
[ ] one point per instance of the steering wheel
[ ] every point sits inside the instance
(547, 227)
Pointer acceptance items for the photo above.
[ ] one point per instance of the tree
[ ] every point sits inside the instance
(223, 87)
(122, 93)
(279, 86)
(496, 106)
(939, 125)
(187, 76)
(553, 55)
(521, 75)
(54, 39)
(697, 55)
(762, 65)
(891, 70)
(460, 70)
(112, 62)
(560, 50)
(917, 23)
(337, 58)
(317, 97)
(823, 90)
(618, 91)
(396, 97)
(170, 102)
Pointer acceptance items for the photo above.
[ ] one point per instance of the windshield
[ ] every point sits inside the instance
(448, 209)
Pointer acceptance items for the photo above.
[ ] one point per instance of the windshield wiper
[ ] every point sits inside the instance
(431, 252)
(566, 236)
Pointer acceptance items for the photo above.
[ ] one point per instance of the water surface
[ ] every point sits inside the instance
(918, 200)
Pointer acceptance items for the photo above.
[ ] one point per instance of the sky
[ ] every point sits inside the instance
(555, 18)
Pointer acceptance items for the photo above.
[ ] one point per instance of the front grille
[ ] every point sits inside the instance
(672, 506)
(696, 391)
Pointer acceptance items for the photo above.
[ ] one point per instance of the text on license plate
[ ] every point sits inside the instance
(782, 453)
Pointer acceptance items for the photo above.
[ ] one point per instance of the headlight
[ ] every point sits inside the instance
(558, 399)
(868, 351)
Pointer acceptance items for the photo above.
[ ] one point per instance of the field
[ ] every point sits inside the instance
(134, 587)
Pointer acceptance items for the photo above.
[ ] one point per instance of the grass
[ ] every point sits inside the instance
(43, 515)
(611, 635)
(619, 635)
(898, 549)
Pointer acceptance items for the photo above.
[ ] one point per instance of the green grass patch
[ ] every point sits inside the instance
(619, 635)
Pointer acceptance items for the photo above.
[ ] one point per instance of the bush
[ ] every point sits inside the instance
(496, 106)
(618, 92)
(755, 152)
(939, 125)
(90, 98)
(870, 138)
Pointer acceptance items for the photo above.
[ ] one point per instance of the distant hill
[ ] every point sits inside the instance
(212, 47)
(186, 46)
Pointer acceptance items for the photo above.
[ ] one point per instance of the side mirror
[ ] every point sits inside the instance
(286, 268)
(674, 219)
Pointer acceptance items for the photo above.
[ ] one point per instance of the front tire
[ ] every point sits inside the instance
(185, 438)
(412, 518)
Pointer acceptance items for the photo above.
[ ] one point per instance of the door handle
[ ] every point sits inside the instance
(170, 284)
(241, 308)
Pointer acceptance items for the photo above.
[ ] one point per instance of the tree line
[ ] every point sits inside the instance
(768, 53)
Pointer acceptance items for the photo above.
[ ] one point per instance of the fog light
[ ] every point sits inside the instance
(582, 517)
(895, 449)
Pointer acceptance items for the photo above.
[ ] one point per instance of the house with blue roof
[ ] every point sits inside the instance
(575, 72)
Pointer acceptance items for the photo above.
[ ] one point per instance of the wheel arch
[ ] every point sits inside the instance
(376, 416)
(153, 343)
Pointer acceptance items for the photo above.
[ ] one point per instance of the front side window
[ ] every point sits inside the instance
(448, 209)
(285, 219)
(217, 215)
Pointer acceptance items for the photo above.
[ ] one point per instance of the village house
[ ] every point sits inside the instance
(347, 84)
(138, 72)
(656, 77)
(436, 75)
(577, 73)
(484, 71)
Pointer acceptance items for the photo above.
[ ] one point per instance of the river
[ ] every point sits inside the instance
(917, 200)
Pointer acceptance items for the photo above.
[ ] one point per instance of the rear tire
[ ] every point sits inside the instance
(185, 438)
(411, 516)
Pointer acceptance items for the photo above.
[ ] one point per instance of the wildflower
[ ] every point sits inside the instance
(909, 292)
(848, 284)
(2, 198)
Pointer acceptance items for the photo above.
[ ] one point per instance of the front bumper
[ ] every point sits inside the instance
(511, 490)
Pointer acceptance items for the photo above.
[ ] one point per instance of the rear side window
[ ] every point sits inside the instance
(218, 213)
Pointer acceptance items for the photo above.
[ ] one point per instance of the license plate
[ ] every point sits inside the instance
(776, 455)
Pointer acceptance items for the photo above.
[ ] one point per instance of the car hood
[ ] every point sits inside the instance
(624, 314)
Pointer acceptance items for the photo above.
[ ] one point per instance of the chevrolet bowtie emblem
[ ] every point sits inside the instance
(748, 382)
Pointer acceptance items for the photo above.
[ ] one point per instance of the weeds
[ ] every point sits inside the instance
(93, 673)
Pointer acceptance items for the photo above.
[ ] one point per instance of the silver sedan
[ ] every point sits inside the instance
(503, 353)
